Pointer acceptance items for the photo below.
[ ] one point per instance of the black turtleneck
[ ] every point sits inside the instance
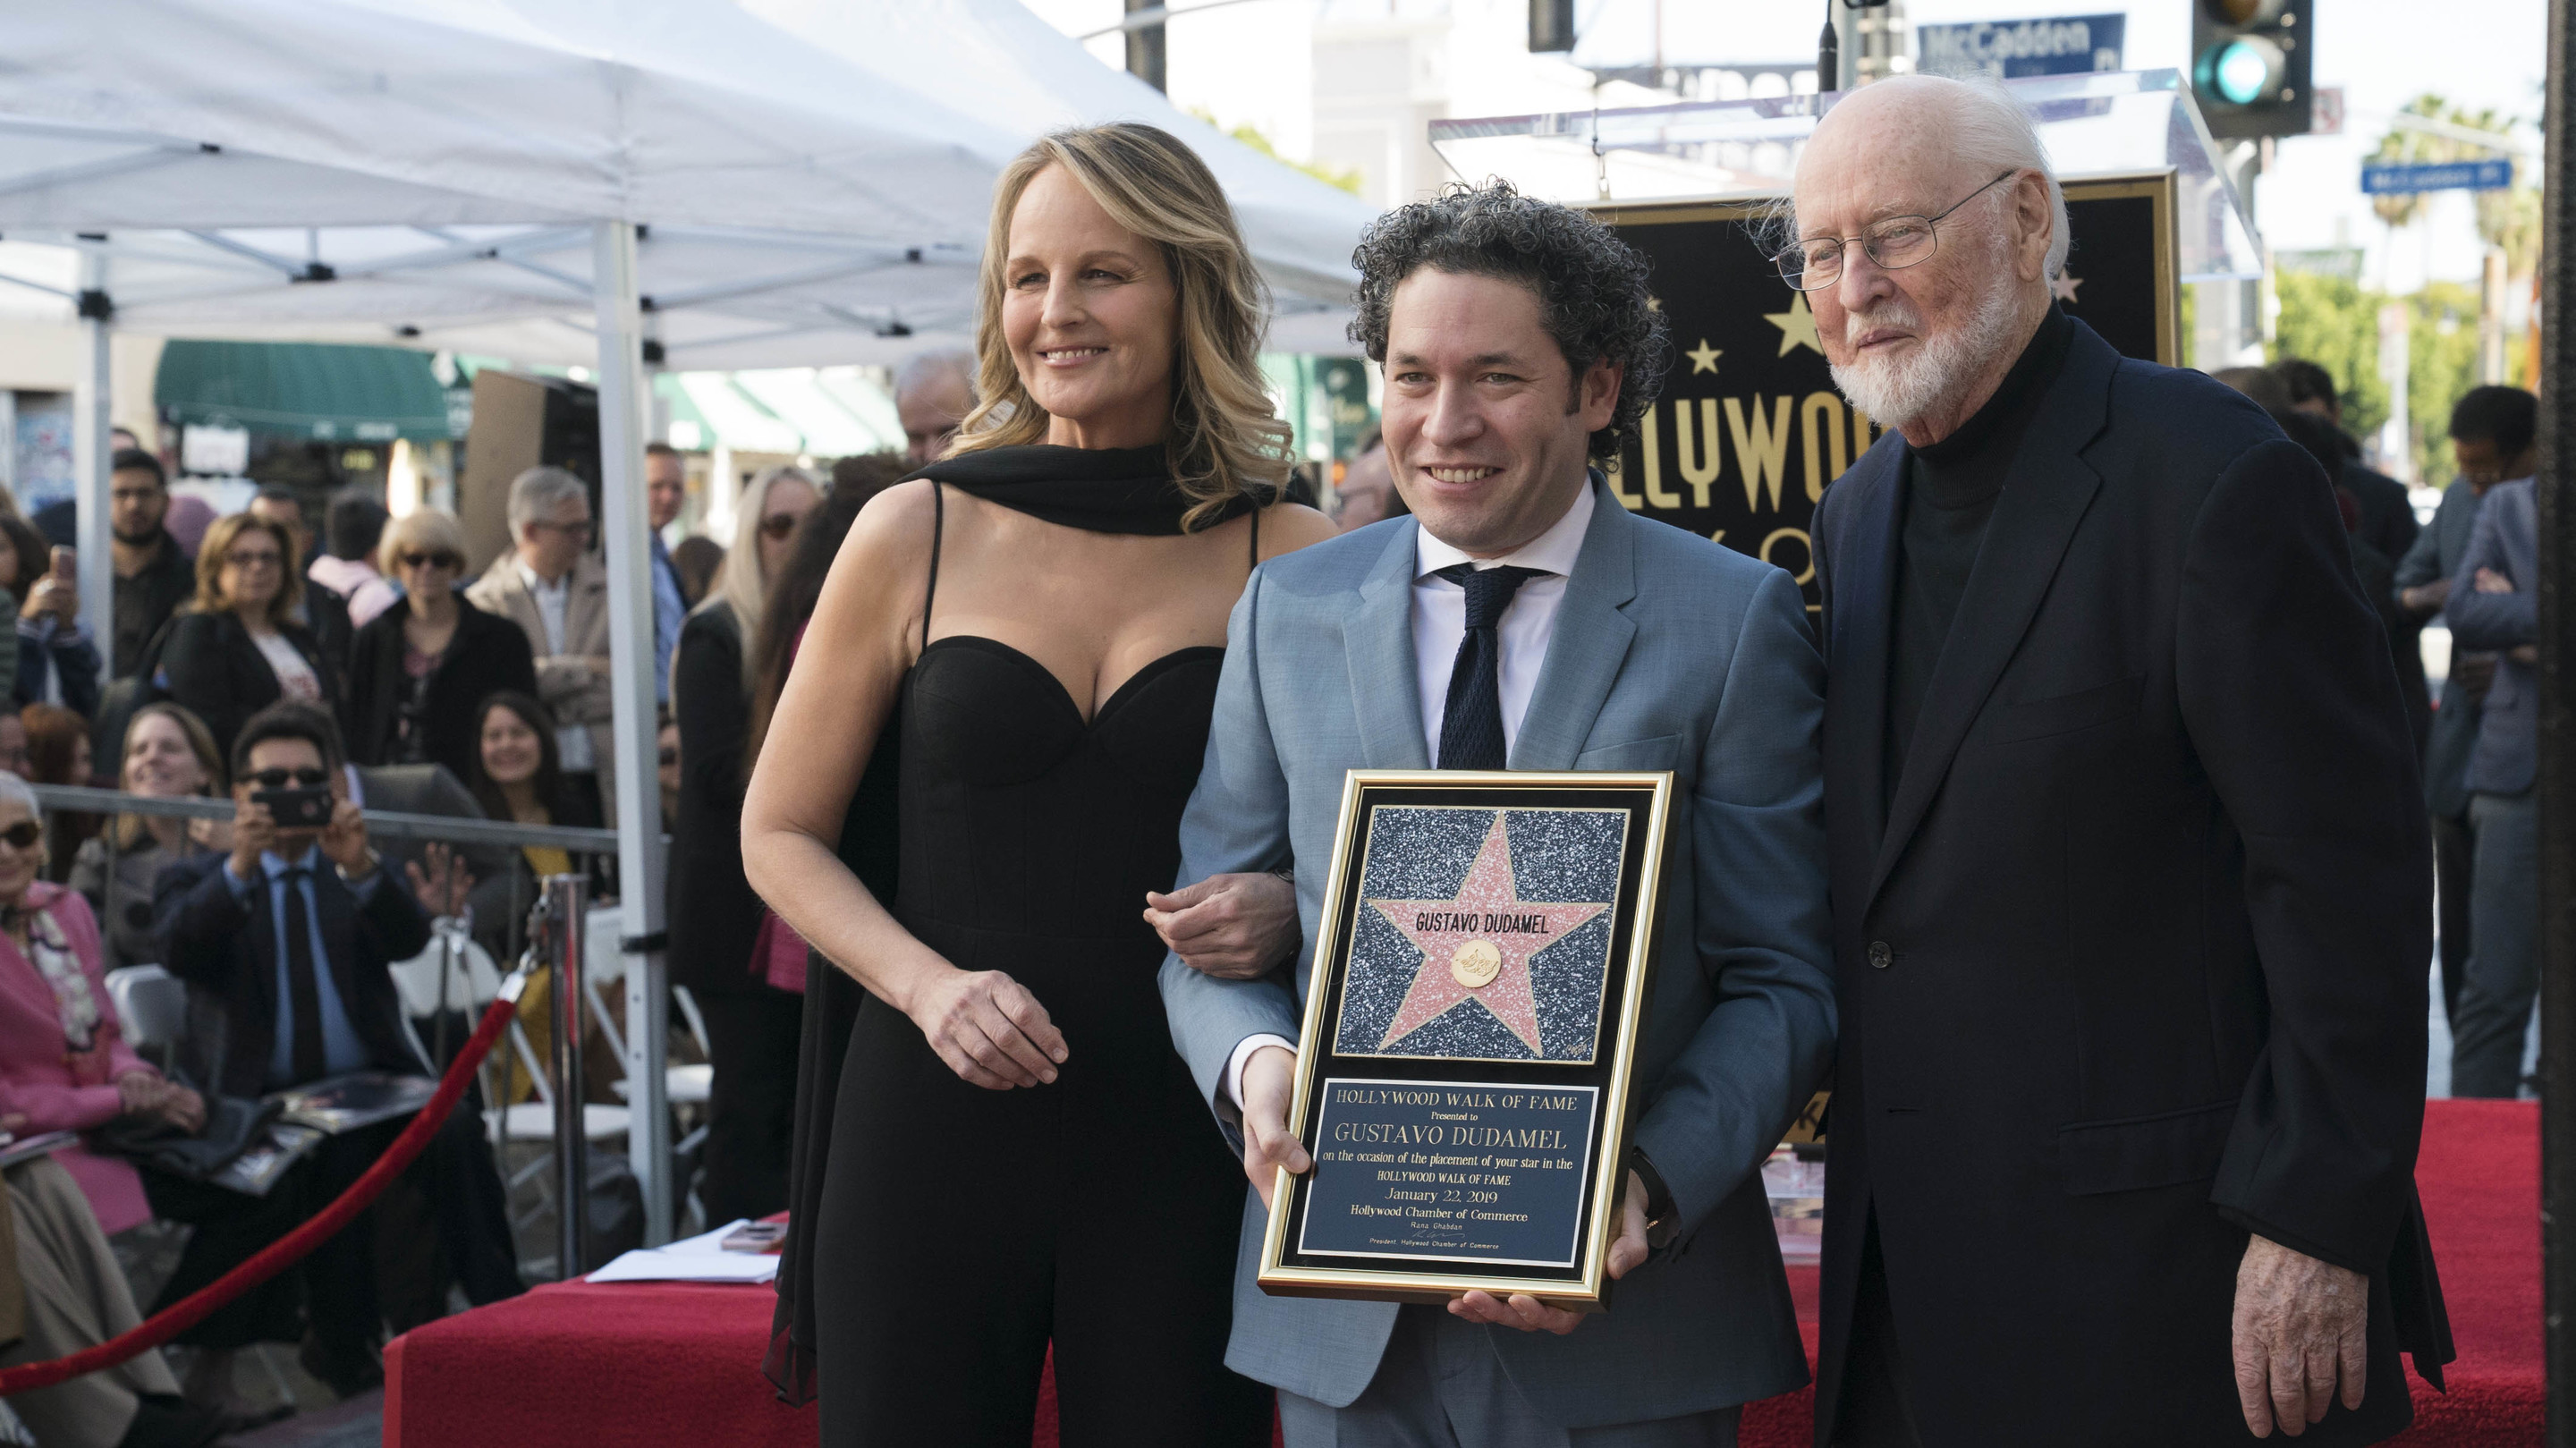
(1950, 492)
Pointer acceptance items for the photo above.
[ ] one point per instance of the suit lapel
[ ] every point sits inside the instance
(1860, 612)
(1379, 642)
(1588, 644)
(2046, 492)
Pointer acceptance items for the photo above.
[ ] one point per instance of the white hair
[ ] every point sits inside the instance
(538, 492)
(14, 788)
(1991, 132)
(925, 367)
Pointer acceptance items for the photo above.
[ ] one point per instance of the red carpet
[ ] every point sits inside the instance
(641, 1363)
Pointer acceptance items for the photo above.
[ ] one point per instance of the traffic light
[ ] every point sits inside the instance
(2250, 65)
(1551, 26)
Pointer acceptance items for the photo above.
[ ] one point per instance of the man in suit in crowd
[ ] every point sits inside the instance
(289, 936)
(2492, 605)
(2129, 856)
(2493, 437)
(556, 590)
(1520, 616)
(2387, 514)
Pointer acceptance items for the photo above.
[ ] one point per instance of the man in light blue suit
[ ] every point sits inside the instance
(1521, 616)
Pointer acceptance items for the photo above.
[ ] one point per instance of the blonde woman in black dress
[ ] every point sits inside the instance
(1017, 1157)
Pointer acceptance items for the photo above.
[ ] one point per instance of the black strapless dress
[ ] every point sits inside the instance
(963, 1230)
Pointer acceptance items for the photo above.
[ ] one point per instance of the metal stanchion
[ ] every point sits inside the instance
(566, 898)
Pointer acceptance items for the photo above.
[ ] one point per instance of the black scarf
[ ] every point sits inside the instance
(1100, 490)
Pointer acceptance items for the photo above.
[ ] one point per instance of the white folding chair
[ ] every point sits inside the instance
(152, 1006)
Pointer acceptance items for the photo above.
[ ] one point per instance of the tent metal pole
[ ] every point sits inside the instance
(632, 687)
(92, 395)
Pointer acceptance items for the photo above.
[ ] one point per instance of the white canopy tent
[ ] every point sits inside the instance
(479, 174)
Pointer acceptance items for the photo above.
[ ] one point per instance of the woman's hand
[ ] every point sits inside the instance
(442, 888)
(1233, 927)
(145, 1096)
(988, 1028)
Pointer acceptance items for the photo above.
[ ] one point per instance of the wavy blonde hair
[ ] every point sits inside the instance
(1225, 441)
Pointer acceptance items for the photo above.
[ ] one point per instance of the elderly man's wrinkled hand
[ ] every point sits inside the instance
(2301, 1327)
(1232, 927)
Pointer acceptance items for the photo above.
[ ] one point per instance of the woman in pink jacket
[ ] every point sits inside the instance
(64, 1063)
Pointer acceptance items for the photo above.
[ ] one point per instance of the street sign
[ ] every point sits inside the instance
(2392, 180)
(2012, 49)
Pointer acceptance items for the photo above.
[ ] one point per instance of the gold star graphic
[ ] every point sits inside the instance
(1704, 357)
(2064, 286)
(1797, 326)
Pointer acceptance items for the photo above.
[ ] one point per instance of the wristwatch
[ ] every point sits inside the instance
(374, 863)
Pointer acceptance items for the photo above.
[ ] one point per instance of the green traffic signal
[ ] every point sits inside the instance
(2245, 70)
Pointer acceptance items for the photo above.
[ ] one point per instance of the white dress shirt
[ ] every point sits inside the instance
(1440, 626)
(572, 741)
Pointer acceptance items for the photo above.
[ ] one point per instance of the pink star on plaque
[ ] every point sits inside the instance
(1478, 946)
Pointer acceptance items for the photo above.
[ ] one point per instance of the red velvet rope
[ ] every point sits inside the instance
(286, 1251)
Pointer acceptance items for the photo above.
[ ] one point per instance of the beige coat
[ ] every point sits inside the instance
(569, 684)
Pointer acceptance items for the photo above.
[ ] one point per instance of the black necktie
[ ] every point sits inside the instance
(303, 993)
(1471, 727)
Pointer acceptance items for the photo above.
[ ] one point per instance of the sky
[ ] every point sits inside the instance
(2482, 53)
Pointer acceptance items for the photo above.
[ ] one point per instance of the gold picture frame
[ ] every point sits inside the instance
(1423, 1243)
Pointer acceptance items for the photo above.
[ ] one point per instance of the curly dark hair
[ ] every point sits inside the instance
(1591, 286)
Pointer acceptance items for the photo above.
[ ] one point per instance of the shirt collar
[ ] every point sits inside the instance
(277, 865)
(1553, 551)
(535, 584)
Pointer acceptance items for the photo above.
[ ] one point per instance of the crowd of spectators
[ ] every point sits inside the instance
(251, 653)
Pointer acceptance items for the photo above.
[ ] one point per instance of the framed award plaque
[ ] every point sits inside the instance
(1471, 1029)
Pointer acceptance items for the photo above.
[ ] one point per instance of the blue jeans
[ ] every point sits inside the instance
(2504, 946)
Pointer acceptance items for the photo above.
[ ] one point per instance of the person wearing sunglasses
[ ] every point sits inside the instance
(288, 936)
(2131, 874)
(555, 588)
(65, 1066)
(237, 647)
(418, 669)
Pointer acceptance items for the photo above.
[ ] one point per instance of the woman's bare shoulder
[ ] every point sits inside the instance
(1287, 527)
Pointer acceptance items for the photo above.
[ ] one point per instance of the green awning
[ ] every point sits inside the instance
(303, 389)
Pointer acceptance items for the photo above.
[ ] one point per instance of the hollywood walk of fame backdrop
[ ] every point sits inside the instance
(1472, 1022)
(1749, 430)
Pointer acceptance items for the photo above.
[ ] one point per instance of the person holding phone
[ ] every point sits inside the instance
(57, 662)
(290, 934)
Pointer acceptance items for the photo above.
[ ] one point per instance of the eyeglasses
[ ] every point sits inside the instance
(777, 526)
(247, 562)
(430, 560)
(579, 530)
(281, 778)
(1892, 243)
(24, 835)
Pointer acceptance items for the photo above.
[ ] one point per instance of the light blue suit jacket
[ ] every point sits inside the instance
(1669, 653)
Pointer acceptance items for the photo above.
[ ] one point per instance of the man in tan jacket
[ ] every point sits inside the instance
(556, 590)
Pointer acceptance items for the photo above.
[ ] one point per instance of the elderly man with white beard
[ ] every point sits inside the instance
(2129, 865)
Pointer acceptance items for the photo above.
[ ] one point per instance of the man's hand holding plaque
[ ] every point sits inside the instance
(1269, 1080)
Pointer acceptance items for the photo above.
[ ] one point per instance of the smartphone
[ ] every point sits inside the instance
(67, 565)
(296, 809)
(756, 1237)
